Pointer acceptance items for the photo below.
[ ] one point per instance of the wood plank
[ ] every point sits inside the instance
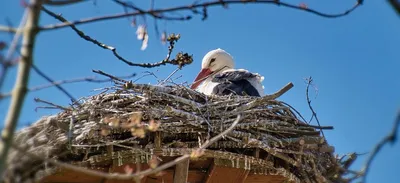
(194, 176)
(181, 172)
(219, 174)
(65, 175)
(257, 178)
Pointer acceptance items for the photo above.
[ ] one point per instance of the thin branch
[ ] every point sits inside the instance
(314, 114)
(15, 40)
(147, 73)
(140, 174)
(192, 7)
(389, 138)
(155, 15)
(4, 28)
(62, 2)
(13, 46)
(169, 76)
(38, 71)
(172, 39)
(396, 5)
(20, 87)
(259, 100)
(91, 79)
(110, 76)
(51, 104)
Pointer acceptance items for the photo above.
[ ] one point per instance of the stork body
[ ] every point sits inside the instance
(218, 77)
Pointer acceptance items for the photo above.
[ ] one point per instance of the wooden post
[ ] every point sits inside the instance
(181, 172)
(157, 143)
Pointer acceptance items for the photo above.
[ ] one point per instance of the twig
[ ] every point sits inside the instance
(14, 42)
(147, 73)
(52, 104)
(91, 79)
(265, 98)
(62, 2)
(204, 5)
(396, 5)
(389, 138)
(155, 15)
(309, 83)
(140, 174)
(8, 29)
(172, 39)
(76, 80)
(20, 87)
(169, 76)
(110, 76)
(38, 71)
(13, 46)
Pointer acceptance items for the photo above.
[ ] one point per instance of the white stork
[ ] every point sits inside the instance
(218, 77)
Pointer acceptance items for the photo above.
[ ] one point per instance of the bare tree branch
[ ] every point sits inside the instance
(205, 5)
(38, 71)
(62, 2)
(13, 46)
(110, 76)
(396, 5)
(172, 39)
(4, 28)
(20, 88)
(140, 174)
(389, 138)
(314, 114)
(155, 15)
(51, 104)
(169, 76)
(91, 79)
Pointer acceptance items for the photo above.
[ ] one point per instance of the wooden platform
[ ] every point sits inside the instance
(206, 170)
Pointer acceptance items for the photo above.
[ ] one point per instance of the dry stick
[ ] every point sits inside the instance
(202, 5)
(76, 80)
(52, 104)
(257, 101)
(309, 83)
(110, 76)
(104, 46)
(141, 174)
(169, 76)
(38, 71)
(389, 138)
(20, 87)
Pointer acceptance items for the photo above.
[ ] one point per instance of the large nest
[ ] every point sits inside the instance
(175, 120)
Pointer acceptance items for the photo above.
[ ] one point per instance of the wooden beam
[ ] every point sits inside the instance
(181, 172)
(257, 178)
(226, 174)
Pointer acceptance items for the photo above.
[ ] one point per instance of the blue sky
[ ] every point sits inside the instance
(353, 60)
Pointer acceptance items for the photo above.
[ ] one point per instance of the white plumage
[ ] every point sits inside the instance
(219, 77)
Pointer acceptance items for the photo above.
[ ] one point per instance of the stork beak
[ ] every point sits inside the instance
(201, 77)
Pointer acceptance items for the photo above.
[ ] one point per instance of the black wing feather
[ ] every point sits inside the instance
(235, 82)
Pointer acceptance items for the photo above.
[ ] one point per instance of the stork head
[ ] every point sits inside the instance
(214, 62)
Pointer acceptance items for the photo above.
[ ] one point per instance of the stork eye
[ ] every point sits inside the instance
(212, 60)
